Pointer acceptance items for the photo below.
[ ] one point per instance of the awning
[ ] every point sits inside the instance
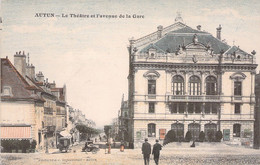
(15, 132)
(65, 134)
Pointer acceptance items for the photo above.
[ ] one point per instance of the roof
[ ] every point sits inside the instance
(188, 29)
(184, 36)
(234, 49)
(11, 78)
(61, 93)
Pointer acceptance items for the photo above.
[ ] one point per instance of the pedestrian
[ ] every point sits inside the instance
(156, 151)
(146, 151)
(122, 146)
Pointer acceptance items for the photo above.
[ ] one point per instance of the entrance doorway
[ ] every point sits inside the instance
(194, 129)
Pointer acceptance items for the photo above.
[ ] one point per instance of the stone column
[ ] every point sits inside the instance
(253, 83)
(202, 83)
(203, 109)
(186, 82)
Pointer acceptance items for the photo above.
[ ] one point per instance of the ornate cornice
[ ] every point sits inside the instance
(169, 67)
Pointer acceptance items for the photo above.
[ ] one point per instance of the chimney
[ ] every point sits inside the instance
(40, 77)
(159, 31)
(219, 32)
(199, 27)
(30, 71)
(53, 85)
(20, 63)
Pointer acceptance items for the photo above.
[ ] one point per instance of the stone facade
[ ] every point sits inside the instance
(187, 80)
(257, 113)
(30, 104)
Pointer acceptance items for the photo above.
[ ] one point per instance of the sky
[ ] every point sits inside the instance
(90, 55)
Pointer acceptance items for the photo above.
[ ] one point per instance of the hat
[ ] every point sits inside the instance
(156, 140)
(146, 139)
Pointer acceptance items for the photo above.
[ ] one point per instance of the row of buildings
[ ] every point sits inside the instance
(186, 79)
(32, 108)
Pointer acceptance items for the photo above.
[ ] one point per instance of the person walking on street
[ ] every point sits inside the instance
(146, 151)
(156, 151)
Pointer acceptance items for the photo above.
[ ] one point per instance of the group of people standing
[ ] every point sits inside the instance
(146, 151)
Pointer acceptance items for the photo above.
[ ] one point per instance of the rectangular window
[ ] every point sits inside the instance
(237, 88)
(151, 86)
(197, 108)
(151, 130)
(237, 108)
(215, 108)
(190, 108)
(151, 107)
(207, 108)
(181, 107)
(173, 107)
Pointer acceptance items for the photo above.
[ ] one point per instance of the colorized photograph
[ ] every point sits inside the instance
(117, 82)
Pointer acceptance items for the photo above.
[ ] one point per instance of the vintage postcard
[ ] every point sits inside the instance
(129, 82)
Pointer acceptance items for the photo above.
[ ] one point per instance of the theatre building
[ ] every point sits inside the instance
(186, 79)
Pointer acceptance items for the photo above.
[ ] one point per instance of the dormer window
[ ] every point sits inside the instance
(7, 91)
(152, 53)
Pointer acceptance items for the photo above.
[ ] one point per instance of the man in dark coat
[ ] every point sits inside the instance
(156, 151)
(146, 151)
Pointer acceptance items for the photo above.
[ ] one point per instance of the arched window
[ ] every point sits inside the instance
(177, 85)
(211, 85)
(236, 130)
(210, 130)
(194, 85)
(179, 130)
(194, 129)
(151, 130)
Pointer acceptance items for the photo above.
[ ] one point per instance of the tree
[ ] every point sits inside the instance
(188, 136)
(107, 129)
(201, 136)
(170, 137)
(86, 131)
(210, 136)
(219, 136)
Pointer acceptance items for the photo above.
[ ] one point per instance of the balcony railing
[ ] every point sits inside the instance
(211, 98)
(193, 116)
(195, 98)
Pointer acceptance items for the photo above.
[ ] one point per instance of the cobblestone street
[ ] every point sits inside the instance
(172, 154)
